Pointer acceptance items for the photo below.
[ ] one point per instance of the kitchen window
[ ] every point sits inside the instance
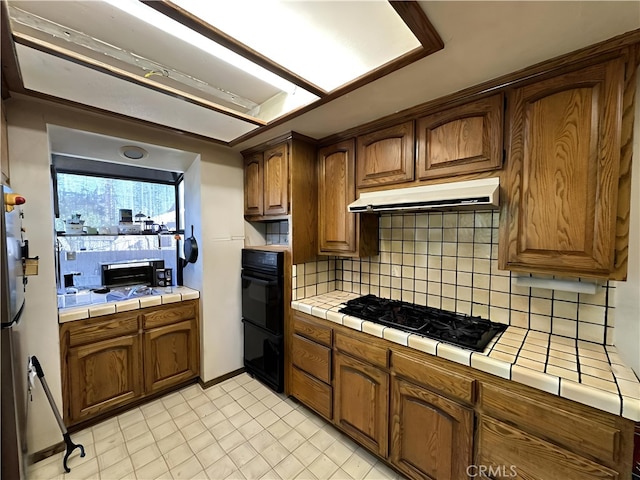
(92, 201)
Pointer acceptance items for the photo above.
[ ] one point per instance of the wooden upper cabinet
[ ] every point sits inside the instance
(386, 156)
(253, 197)
(336, 190)
(276, 180)
(340, 232)
(464, 139)
(559, 214)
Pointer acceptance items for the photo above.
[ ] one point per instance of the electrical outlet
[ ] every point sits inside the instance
(70, 256)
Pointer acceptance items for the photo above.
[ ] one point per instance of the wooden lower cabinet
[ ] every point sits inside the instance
(361, 402)
(507, 452)
(431, 436)
(103, 375)
(113, 360)
(310, 372)
(312, 392)
(170, 355)
(433, 419)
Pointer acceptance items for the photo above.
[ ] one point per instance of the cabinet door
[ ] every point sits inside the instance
(170, 355)
(253, 195)
(276, 181)
(104, 375)
(361, 405)
(386, 156)
(336, 190)
(431, 436)
(464, 139)
(509, 453)
(563, 169)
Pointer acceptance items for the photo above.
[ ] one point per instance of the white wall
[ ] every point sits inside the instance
(627, 295)
(38, 328)
(221, 238)
(215, 207)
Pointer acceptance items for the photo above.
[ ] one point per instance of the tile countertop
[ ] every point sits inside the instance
(177, 294)
(585, 372)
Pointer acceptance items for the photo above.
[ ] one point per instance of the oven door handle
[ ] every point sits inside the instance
(260, 281)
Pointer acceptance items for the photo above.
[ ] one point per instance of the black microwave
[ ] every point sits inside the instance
(138, 272)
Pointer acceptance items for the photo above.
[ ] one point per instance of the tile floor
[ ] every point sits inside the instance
(238, 429)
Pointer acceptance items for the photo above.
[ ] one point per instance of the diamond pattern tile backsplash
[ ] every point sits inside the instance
(450, 261)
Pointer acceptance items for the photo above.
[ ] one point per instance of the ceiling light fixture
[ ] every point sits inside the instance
(133, 153)
(168, 25)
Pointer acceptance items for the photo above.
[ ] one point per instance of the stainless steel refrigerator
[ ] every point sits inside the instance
(13, 450)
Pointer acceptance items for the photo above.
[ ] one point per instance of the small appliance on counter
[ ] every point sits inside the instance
(137, 272)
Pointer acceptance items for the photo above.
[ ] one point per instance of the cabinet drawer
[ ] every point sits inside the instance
(312, 358)
(450, 383)
(515, 454)
(168, 315)
(312, 330)
(112, 326)
(373, 354)
(312, 392)
(577, 433)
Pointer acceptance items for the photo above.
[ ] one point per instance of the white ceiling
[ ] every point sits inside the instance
(93, 146)
(54, 76)
(483, 40)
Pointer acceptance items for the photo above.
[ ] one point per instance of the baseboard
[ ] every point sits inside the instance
(35, 457)
(221, 378)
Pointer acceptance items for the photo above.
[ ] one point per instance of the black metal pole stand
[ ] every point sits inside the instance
(65, 435)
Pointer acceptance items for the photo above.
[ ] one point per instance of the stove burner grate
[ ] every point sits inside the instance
(461, 330)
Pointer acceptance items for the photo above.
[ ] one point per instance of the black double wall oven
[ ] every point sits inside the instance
(263, 315)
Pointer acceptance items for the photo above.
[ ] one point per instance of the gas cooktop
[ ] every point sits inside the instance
(461, 330)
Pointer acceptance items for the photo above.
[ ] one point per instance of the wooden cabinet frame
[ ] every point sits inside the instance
(395, 378)
(114, 360)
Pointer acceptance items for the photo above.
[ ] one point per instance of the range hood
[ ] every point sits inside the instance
(470, 194)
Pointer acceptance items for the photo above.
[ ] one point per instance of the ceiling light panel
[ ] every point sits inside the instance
(328, 43)
(60, 78)
(130, 35)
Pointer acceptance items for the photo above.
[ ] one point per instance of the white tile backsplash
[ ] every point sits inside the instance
(449, 261)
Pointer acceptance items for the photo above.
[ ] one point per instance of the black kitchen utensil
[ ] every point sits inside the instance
(190, 249)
